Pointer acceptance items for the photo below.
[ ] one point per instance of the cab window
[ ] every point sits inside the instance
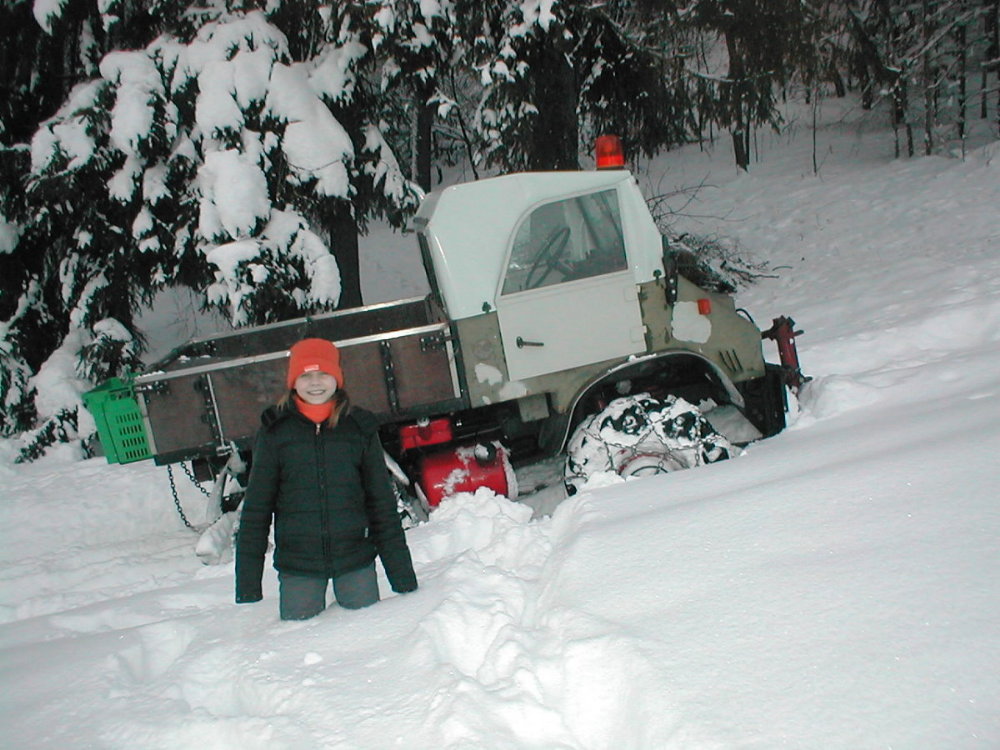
(565, 241)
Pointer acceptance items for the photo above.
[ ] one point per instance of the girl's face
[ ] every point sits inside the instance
(315, 387)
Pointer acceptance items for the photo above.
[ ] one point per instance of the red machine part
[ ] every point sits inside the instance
(464, 469)
(782, 331)
(426, 432)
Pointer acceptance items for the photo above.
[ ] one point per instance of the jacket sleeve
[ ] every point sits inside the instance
(383, 517)
(255, 520)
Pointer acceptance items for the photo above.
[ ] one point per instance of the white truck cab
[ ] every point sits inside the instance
(558, 256)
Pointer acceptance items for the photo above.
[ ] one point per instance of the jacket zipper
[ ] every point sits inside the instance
(324, 510)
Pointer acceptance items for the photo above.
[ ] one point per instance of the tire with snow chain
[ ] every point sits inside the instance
(638, 436)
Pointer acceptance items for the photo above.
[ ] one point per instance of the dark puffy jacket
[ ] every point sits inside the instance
(329, 494)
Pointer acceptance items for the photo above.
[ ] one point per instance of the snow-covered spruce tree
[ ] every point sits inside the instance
(89, 280)
(41, 55)
(991, 62)
(555, 74)
(419, 52)
(527, 118)
(919, 54)
(213, 158)
(763, 47)
(635, 83)
(46, 49)
(341, 69)
(19, 298)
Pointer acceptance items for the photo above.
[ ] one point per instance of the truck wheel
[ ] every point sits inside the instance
(639, 435)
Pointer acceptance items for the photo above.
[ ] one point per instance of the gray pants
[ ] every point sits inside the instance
(302, 597)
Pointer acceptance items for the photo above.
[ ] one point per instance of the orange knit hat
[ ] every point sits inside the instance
(309, 355)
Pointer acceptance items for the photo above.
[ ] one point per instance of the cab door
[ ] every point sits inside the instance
(568, 297)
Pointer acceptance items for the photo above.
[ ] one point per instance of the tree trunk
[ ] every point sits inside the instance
(983, 101)
(839, 86)
(423, 144)
(993, 32)
(344, 244)
(926, 73)
(867, 83)
(740, 128)
(962, 76)
(815, 126)
(900, 107)
(555, 136)
(740, 150)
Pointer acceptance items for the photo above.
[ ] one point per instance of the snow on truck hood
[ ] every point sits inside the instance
(469, 229)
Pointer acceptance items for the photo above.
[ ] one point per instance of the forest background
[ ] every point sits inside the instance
(240, 148)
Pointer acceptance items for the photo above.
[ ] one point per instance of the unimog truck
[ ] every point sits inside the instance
(558, 320)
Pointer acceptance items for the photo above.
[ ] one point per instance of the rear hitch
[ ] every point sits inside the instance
(783, 332)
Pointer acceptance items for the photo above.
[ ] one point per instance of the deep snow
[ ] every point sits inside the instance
(834, 587)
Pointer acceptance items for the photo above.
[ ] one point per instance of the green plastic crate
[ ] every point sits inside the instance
(119, 421)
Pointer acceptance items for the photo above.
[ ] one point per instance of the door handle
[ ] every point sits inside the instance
(521, 343)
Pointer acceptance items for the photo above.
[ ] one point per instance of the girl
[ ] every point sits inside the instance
(318, 470)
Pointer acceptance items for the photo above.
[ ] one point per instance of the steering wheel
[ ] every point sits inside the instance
(553, 249)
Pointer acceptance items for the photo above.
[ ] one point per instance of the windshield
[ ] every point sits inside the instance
(567, 240)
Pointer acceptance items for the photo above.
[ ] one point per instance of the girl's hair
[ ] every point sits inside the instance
(341, 405)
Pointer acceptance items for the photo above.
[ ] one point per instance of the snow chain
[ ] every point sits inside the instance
(177, 500)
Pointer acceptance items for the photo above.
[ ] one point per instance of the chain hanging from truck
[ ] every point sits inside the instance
(177, 500)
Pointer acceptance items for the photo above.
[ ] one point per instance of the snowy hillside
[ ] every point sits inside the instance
(834, 587)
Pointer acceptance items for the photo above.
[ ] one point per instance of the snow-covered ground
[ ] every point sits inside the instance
(838, 586)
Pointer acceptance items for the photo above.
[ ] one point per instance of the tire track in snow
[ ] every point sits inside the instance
(83, 575)
(178, 666)
(194, 682)
(513, 662)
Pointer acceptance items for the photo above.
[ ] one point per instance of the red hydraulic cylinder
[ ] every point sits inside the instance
(783, 332)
